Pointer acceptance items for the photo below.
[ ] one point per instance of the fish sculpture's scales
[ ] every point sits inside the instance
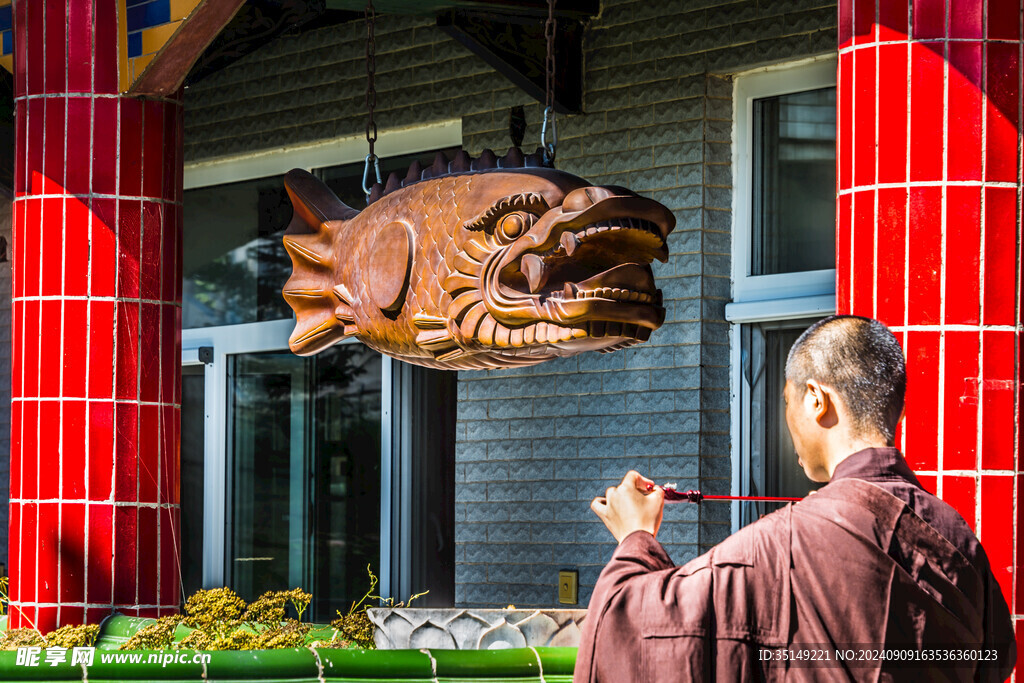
(475, 263)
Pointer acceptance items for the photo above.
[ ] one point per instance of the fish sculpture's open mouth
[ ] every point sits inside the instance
(584, 269)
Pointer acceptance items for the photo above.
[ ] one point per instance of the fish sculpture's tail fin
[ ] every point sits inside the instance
(323, 308)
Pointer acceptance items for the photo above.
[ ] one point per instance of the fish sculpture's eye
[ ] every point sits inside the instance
(514, 224)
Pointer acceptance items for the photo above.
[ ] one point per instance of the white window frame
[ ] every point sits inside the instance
(764, 298)
(273, 335)
(812, 74)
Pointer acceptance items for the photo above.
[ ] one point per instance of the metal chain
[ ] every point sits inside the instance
(371, 100)
(549, 89)
(549, 64)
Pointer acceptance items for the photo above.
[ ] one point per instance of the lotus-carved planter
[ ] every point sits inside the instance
(474, 629)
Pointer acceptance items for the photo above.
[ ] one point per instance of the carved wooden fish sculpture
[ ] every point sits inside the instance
(475, 263)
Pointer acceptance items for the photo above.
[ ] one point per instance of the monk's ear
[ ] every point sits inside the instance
(818, 400)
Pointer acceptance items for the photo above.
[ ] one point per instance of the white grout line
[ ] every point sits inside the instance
(958, 328)
(88, 605)
(141, 139)
(980, 410)
(113, 355)
(99, 95)
(930, 41)
(926, 183)
(940, 413)
(875, 192)
(88, 322)
(106, 503)
(1020, 260)
(906, 215)
(39, 350)
(100, 195)
(90, 299)
(118, 401)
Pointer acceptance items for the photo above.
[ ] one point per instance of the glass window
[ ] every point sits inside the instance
(783, 260)
(794, 179)
(773, 469)
(304, 458)
(193, 443)
(233, 263)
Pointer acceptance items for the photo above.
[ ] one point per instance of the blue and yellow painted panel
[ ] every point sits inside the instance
(6, 36)
(148, 25)
(145, 26)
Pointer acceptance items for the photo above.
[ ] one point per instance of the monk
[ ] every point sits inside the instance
(870, 578)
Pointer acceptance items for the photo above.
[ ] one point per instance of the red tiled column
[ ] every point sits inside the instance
(929, 235)
(96, 327)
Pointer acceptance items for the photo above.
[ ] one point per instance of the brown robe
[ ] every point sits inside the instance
(852, 568)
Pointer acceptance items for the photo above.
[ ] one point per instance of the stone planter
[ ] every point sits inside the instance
(474, 629)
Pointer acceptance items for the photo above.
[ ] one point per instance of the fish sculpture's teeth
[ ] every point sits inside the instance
(502, 335)
(530, 334)
(516, 337)
(485, 333)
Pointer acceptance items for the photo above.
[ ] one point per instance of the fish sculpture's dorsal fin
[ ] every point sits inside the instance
(459, 164)
(323, 314)
(314, 202)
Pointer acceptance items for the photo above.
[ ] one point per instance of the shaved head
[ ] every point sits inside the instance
(861, 360)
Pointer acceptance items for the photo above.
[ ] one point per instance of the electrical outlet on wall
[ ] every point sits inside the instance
(568, 586)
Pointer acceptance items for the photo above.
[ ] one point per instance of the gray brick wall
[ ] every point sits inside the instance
(536, 445)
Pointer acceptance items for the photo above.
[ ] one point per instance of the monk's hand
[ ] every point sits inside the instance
(636, 504)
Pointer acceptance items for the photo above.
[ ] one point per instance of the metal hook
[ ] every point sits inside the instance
(549, 147)
(367, 185)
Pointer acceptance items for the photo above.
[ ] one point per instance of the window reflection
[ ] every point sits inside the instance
(794, 159)
(305, 463)
(774, 470)
(233, 263)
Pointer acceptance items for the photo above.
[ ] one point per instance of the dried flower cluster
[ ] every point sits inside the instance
(73, 636)
(220, 620)
(65, 636)
(21, 637)
(156, 636)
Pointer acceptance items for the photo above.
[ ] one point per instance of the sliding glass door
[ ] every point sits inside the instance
(289, 453)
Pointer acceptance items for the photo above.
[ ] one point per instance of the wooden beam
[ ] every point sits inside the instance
(165, 74)
(516, 48)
